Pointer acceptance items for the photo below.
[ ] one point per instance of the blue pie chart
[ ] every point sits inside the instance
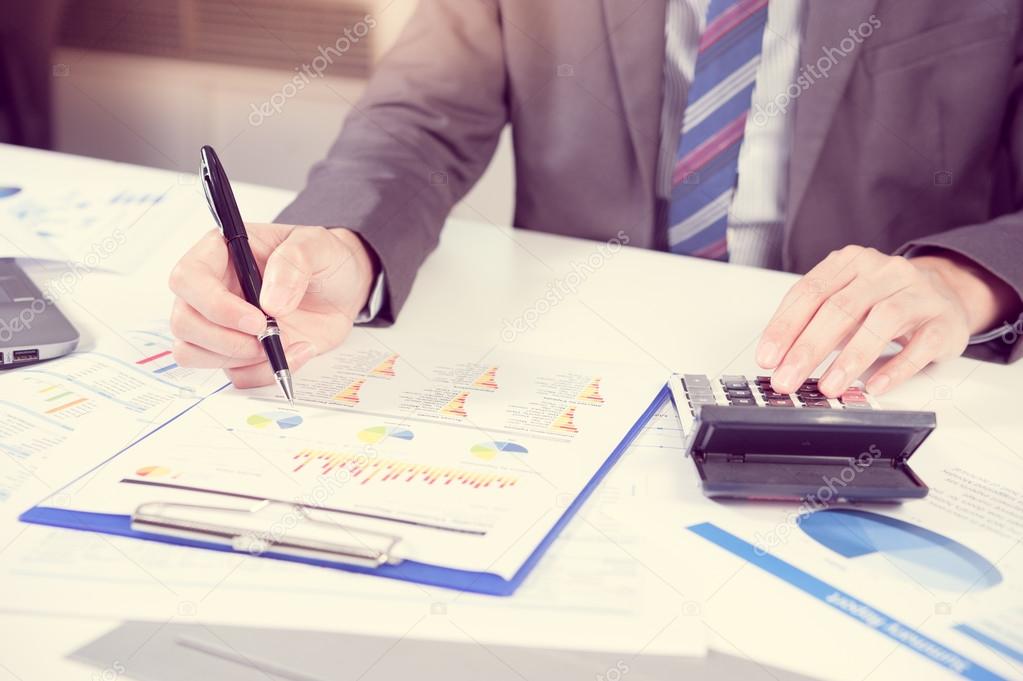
(913, 552)
(488, 450)
(281, 419)
(8, 191)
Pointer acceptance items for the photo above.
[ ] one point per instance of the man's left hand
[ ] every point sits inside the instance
(930, 304)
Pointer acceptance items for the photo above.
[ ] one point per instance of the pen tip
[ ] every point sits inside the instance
(287, 387)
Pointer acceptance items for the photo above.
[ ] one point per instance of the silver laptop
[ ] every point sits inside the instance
(32, 329)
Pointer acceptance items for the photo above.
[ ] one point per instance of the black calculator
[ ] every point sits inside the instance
(750, 442)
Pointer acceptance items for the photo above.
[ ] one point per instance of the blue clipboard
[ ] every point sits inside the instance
(408, 570)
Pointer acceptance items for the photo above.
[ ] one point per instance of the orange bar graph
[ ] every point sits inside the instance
(565, 423)
(350, 394)
(364, 470)
(488, 379)
(591, 393)
(67, 405)
(385, 368)
(456, 407)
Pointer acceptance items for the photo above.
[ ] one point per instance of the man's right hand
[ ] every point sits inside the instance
(315, 282)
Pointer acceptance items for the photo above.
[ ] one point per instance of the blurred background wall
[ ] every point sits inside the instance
(267, 82)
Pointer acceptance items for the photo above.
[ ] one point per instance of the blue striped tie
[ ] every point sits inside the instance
(707, 160)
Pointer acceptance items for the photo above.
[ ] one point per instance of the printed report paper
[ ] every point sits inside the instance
(616, 578)
(468, 458)
(59, 419)
(942, 576)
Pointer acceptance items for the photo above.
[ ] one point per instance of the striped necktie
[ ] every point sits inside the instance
(707, 160)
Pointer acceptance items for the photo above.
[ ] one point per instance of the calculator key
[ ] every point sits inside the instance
(857, 405)
(764, 380)
(735, 385)
(730, 393)
(816, 404)
(742, 401)
(702, 400)
(700, 392)
(853, 397)
(780, 402)
(810, 383)
(811, 394)
(696, 381)
(771, 395)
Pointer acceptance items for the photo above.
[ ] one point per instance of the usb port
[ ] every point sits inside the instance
(25, 356)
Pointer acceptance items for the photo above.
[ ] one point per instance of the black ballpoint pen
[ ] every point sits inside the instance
(225, 211)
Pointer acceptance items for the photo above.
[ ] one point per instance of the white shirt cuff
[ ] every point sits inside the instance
(1006, 331)
(375, 301)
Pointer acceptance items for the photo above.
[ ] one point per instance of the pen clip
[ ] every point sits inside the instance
(207, 159)
(207, 187)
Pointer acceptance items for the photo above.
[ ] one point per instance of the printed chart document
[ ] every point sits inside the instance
(941, 576)
(615, 580)
(60, 418)
(468, 458)
(99, 224)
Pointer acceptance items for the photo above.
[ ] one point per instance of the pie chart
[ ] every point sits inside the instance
(282, 420)
(489, 450)
(372, 436)
(8, 191)
(906, 551)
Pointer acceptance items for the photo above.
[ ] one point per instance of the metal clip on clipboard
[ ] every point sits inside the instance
(269, 527)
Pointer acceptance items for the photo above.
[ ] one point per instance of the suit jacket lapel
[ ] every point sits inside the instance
(636, 36)
(827, 24)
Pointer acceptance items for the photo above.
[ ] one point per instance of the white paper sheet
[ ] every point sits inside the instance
(614, 580)
(60, 418)
(469, 458)
(932, 564)
(96, 224)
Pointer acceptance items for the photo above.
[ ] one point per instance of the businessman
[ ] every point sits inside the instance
(875, 146)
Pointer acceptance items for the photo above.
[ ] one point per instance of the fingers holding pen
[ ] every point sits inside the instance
(190, 326)
(260, 374)
(198, 280)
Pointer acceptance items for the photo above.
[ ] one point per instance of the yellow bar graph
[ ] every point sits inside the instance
(364, 470)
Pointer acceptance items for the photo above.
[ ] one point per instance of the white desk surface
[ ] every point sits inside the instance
(681, 313)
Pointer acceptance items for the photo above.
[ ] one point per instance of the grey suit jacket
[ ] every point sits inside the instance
(915, 138)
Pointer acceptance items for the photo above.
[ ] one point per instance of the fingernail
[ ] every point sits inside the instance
(878, 384)
(834, 382)
(253, 324)
(784, 379)
(767, 354)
